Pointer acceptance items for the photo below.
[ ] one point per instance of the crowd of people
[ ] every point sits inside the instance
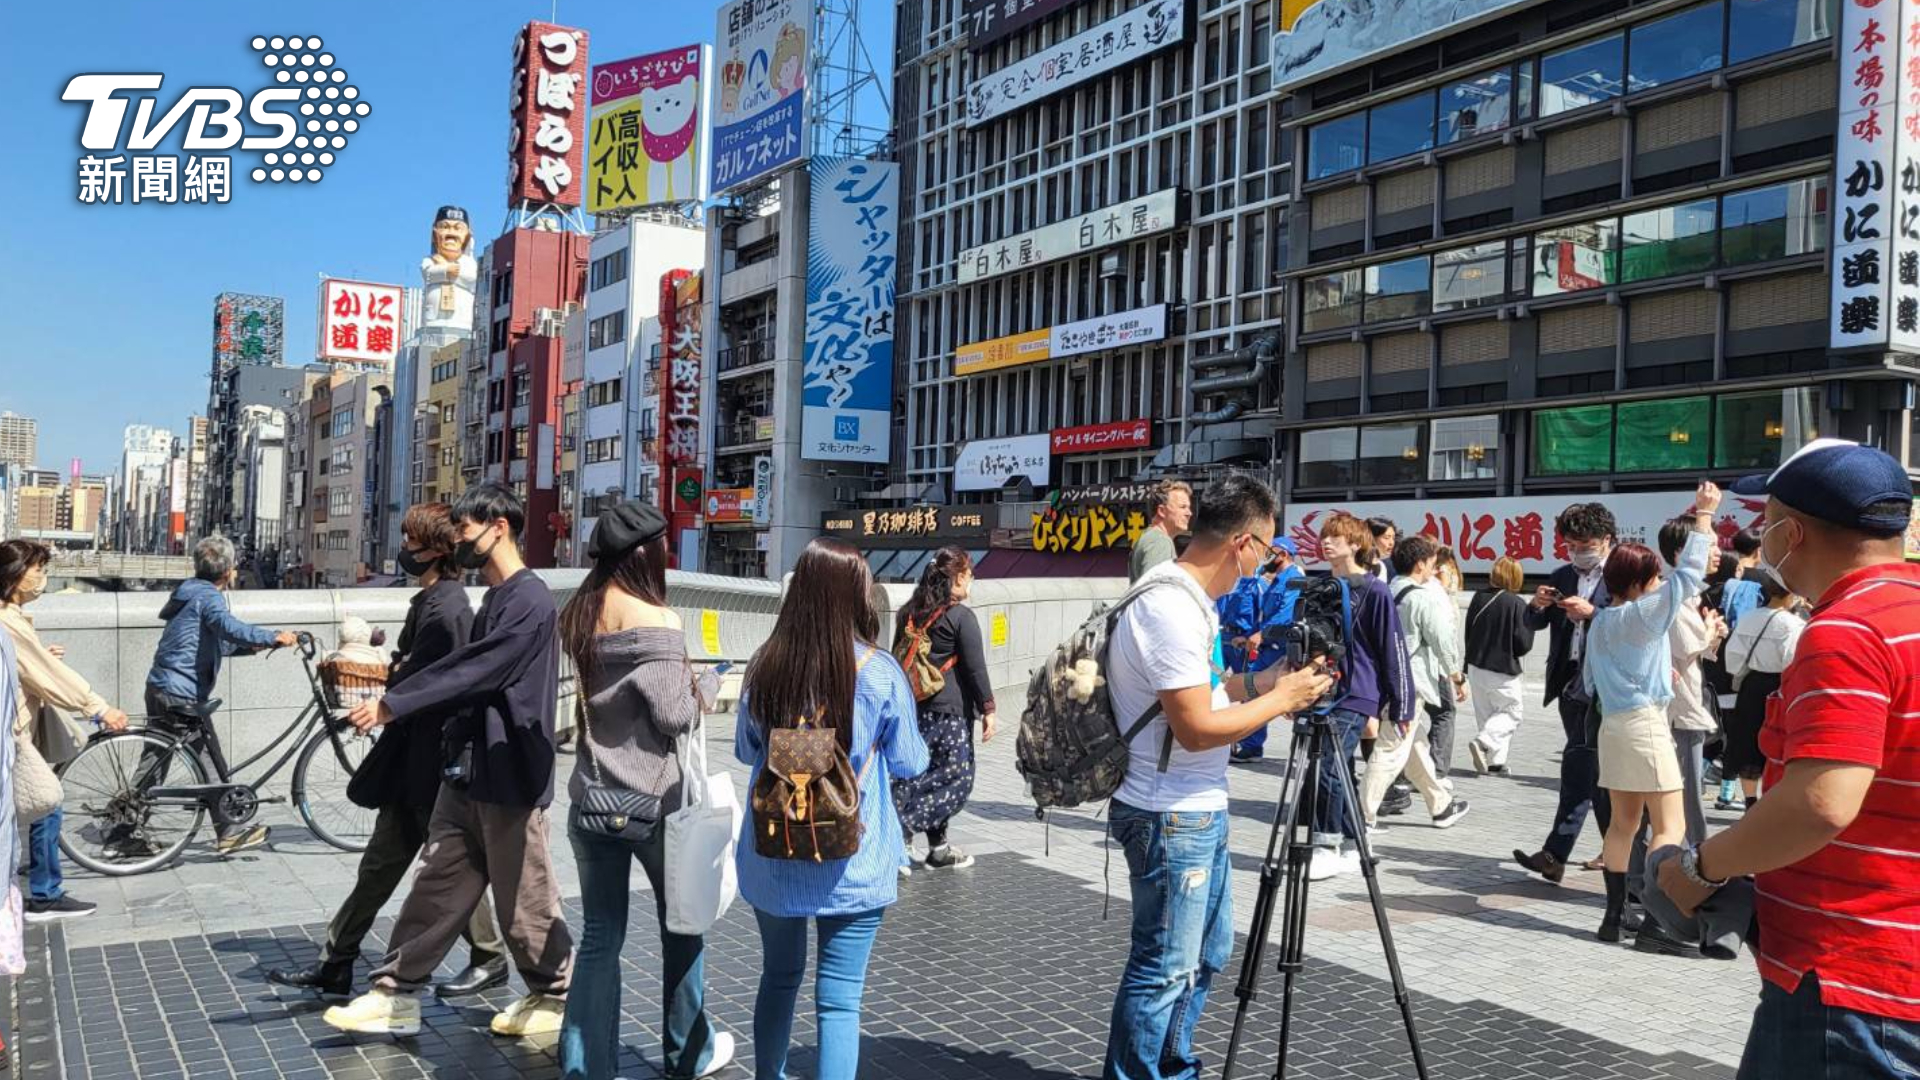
(1674, 669)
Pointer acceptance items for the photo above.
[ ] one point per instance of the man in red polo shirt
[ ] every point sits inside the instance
(1834, 842)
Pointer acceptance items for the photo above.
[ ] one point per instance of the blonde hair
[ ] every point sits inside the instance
(1352, 530)
(1507, 574)
(1448, 569)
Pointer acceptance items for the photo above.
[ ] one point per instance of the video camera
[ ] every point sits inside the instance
(1322, 629)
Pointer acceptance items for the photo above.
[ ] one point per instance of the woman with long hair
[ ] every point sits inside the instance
(1761, 647)
(637, 697)
(937, 612)
(1630, 671)
(1497, 637)
(823, 665)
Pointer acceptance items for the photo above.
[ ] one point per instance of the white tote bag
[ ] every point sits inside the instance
(700, 876)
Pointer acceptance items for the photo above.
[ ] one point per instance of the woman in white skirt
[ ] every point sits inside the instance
(1497, 637)
(1630, 672)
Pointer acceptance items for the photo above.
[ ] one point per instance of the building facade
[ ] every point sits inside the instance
(144, 459)
(337, 502)
(237, 386)
(434, 468)
(1579, 249)
(19, 439)
(262, 493)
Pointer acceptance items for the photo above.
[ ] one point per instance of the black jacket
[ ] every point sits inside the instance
(969, 690)
(1560, 665)
(1497, 631)
(504, 684)
(403, 768)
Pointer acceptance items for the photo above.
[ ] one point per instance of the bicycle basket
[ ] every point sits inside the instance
(348, 683)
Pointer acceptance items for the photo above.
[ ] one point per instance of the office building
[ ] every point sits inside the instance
(19, 439)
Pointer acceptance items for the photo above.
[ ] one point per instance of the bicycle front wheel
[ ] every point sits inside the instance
(320, 778)
(111, 826)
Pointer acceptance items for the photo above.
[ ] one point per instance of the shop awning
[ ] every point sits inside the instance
(1015, 563)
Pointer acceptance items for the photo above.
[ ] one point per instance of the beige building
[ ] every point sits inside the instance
(336, 494)
(435, 469)
(19, 439)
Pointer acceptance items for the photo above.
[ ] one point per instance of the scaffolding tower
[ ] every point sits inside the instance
(845, 94)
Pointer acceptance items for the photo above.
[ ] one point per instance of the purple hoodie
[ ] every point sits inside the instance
(1378, 680)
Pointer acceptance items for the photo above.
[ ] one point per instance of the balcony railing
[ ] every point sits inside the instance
(745, 354)
(745, 431)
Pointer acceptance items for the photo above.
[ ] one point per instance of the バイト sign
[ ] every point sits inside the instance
(1107, 47)
(846, 397)
(759, 121)
(1099, 438)
(549, 112)
(646, 131)
(1130, 220)
(359, 322)
(988, 464)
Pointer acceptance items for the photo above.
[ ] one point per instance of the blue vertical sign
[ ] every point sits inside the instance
(852, 244)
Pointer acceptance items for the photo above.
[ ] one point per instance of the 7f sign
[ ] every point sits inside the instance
(360, 323)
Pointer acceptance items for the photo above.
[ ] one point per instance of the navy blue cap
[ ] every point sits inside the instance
(1837, 481)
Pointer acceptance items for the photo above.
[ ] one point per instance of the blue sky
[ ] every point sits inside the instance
(111, 306)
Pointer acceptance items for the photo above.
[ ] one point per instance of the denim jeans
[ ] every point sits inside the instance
(1796, 1037)
(43, 858)
(846, 943)
(1177, 865)
(1333, 817)
(589, 1036)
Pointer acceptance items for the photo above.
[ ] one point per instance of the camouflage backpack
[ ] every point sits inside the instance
(1071, 749)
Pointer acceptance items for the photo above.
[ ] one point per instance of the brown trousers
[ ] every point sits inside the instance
(471, 845)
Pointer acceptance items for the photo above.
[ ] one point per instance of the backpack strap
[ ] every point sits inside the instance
(1154, 710)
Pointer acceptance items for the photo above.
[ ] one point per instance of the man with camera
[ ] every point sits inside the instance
(1170, 814)
(1563, 607)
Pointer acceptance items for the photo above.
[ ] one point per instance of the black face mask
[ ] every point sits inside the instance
(468, 556)
(414, 564)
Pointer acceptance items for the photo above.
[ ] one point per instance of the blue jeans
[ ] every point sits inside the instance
(43, 858)
(1177, 865)
(1796, 1037)
(590, 1034)
(1333, 816)
(846, 942)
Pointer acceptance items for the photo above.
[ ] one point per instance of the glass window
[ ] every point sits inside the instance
(1774, 222)
(1399, 128)
(1336, 146)
(1569, 442)
(1390, 454)
(1662, 436)
(1759, 430)
(1581, 75)
(1326, 456)
(1524, 97)
(1464, 448)
(1669, 240)
(1332, 301)
(1575, 257)
(1476, 106)
(1667, 50)
(1758, 27)
(1470, 277)
(1398, 290)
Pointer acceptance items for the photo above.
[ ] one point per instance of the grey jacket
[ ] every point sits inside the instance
(639, 699)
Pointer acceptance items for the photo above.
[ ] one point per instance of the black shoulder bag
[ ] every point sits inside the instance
(606, 809)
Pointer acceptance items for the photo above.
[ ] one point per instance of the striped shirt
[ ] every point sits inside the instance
(1851, 911)
(885, 724)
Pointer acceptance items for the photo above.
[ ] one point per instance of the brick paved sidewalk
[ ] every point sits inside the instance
(1002, 970)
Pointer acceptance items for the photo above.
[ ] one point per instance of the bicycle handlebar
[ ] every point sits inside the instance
(309, 647)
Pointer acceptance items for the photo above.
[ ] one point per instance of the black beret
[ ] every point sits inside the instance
(624, 528)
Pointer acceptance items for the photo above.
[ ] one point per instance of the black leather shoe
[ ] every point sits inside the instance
(330, 978)
(476, 978)
(1542, 863)
(1634, 918)
(1654, 939)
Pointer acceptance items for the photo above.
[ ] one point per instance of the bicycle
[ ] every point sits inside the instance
(124, 817)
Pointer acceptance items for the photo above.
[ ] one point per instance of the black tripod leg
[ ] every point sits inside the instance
(1400, 994)
(1293, 926)
(1248, 988)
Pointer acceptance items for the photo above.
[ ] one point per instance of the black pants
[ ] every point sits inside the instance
(172, 716)
(1580, 789)
(398, 835)
(1440, 734)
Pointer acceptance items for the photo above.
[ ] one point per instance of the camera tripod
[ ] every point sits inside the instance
(1313, 743)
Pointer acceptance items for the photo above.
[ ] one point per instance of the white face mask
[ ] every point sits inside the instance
(1767, 567)
(1585, 561)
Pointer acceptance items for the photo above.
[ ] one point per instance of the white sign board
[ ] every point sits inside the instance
(1114, 331)
(987, 464)
(1112, 45)
(759, 107)
(1318, 37)
(1904, 177)
(1115, 224)
(1864, 172)
(360, 322)
(762, 490)
(1481, 531)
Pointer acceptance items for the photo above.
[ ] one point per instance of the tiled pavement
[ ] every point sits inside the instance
(1002, 970)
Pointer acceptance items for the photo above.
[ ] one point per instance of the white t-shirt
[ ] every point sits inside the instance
(1165, 641)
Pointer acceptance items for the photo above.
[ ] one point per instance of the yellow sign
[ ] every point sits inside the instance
(644, 148)
(1291, 10)
(999, 629)
(1087, 528)
(1011, 351)
(710, 632)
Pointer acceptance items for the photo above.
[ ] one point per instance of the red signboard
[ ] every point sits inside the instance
(549, 112)
(360, 322)
(1095, 438)
(730, 504)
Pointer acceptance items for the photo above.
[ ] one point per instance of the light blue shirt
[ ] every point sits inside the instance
(1627, 661)
(885, 722)
(9, 716)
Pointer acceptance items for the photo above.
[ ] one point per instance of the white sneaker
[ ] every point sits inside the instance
(535, 1014)
(906, 872)
(1327, 862)
(722, 1053)
(377, 1012)
(1350, 861)
(1479, 753)
(1375, 830)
